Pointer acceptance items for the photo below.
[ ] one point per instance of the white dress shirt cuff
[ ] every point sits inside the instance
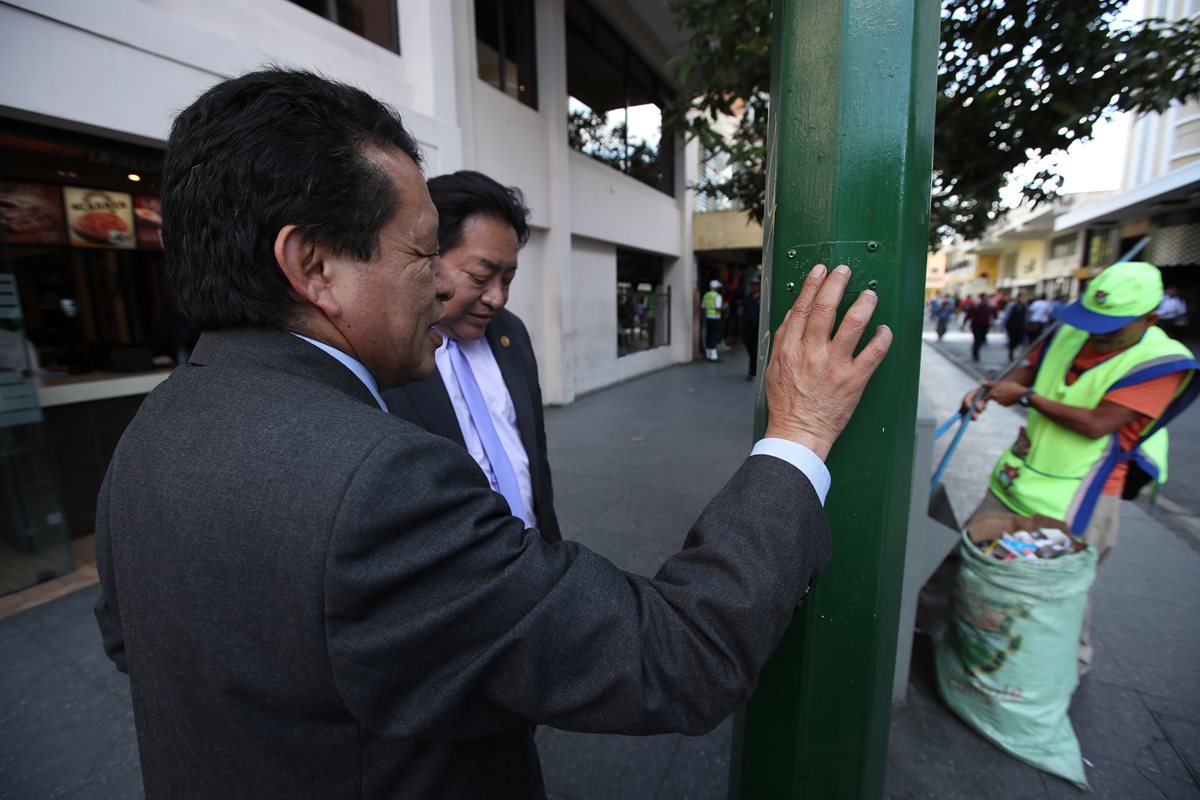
(799, 457)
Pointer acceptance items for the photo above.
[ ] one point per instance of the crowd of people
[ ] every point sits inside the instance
(1023, 318)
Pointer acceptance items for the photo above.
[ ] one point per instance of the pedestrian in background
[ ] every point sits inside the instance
(966, 306)
(945, 312)
(1173, 313)
(751, 309)
(982, 314)
(711, 303)
(1014, 324)
(1056, 307)
(1036, 317)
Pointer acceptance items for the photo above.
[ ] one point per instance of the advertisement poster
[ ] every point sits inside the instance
(32, 213)
(97, 218)
(148, 212)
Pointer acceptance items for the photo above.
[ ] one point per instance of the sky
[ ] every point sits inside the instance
(1092, 166)
(1097, 164)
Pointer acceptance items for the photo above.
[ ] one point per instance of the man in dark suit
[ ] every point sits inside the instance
(495, 410)
(316, 599)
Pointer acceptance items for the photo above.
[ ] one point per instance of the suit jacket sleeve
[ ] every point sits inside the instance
(445, 620)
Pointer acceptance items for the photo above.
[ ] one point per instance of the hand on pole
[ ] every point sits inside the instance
(814, 381)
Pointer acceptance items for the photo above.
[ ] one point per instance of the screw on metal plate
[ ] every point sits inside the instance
(865, 258)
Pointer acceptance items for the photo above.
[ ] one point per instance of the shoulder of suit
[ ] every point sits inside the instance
(510, 320)
(507, 323)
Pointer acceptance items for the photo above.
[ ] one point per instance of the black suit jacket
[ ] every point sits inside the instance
(316, 599)
(427, 404)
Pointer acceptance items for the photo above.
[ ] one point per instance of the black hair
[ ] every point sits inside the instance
(252, 154)
(467, 192)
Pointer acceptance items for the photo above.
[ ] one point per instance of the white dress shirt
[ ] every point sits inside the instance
(503, 413)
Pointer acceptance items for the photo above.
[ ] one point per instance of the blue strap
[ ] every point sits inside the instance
(1155, 371)
(1116, 455)
(1083, 516)
(945, 426)
(964, 419)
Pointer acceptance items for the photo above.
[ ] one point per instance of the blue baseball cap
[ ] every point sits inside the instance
(1116, 297)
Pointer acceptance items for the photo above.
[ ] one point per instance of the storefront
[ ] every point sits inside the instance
(81, 255)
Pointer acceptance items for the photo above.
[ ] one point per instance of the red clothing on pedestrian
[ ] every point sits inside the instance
(982, 315)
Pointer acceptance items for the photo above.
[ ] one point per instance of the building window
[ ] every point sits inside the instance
(715, 168)
(615, 104)
(1099, 247)
(80, 219)
(504, 45)
(643, 303)
(1063, 246)
(374, 20)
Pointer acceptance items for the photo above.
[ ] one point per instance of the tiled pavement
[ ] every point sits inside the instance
(633, 466)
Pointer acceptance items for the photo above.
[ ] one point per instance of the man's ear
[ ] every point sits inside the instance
(303, 263)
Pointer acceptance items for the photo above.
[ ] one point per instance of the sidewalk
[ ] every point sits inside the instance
(633, 466)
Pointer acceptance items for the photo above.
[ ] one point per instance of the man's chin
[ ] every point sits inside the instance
(469, 332)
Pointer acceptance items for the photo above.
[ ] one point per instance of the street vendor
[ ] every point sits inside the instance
(1100, 392)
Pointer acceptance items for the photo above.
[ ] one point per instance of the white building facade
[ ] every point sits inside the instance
(483, 84)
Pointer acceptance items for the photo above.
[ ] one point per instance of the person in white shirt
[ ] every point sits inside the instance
(1036, 317)
(485, 393)
(1172, 312)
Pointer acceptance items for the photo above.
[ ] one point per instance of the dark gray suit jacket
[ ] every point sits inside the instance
(426, 403)
(316, 599)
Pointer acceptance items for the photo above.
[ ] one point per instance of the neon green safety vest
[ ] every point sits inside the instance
(709, 304)
(1064, 472)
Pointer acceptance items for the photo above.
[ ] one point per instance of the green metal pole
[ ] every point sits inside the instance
(850, 157)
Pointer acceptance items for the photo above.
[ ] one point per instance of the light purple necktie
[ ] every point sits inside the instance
(502, 468)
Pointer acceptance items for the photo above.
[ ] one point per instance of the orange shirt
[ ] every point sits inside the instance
(1150, 399)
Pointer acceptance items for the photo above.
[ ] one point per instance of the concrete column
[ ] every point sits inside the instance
(427, 45)
(556, 334)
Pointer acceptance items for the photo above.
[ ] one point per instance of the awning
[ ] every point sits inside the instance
(1175, 191)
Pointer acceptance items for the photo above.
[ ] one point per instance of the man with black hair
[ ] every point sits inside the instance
(485, 394)
(314, 598)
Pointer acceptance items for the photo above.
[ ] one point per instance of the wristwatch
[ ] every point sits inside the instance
(1026, 400)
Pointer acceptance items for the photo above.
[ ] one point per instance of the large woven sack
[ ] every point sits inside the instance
(1008, 663)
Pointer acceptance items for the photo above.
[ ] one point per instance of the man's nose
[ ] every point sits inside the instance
(493, 294)
(441, 281)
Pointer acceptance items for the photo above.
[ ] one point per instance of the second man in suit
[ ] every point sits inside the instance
(485, 394)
